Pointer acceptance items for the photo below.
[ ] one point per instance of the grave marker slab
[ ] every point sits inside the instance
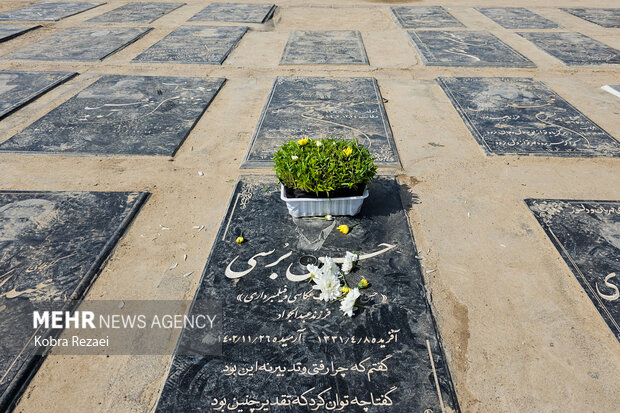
(339, 47)
(10, 31)
(516, 18)
(143, 13)
(52, 246)
(574, 49)
(424, 17)
(284, 350)
(194, 44)
(465, 48)
(521, 116)
(319, 107)
(235, 12)
(48, 11)
(587, 236)
(129, 115)
(613, 89)
(81, 44)
(20, 88)
(609, 18)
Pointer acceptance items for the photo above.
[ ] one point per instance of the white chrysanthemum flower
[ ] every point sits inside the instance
(294, 157)
(319, 143)
(330, 267)
(349, 259)
(329, 285)
(314, 270)
(347, 304)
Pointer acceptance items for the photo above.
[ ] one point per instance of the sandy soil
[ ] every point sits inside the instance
(520, 334)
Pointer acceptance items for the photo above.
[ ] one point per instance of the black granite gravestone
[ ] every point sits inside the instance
(194, 44)
(603, 17)
(142, 13)
(19, 88)
(521, 116)
(81, 44)
(338, 47)
(52, 245)
(235, 12)
(574, 49)
(48, 11)
(10, 31)
(587, 235)
(516, 18)
(318, 107)
(283, 350)
(424, 17)
(465, 48)
(132, 115)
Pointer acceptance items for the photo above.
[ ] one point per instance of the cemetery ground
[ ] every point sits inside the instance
(519, 332)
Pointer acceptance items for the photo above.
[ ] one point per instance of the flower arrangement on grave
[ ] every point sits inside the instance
(314, 172)
(331, 281)
(324, 168)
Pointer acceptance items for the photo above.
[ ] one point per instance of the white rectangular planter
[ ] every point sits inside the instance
(314, 207)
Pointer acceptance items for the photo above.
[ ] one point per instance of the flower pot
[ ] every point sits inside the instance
(314, 207)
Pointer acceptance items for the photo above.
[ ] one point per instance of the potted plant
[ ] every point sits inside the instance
(324, 176)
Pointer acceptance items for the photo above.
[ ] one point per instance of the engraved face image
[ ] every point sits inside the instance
(18, 217)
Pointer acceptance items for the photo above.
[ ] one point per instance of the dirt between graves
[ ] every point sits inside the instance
(519, 332)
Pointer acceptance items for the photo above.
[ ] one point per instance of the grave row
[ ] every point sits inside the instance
(152, 115)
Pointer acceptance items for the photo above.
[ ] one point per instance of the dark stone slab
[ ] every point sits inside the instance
(52, 246)
(81, 44)
(132, 115)
(516, 18)
(574, 49)
(48, 11)
(521, 116)
(424, 17)
(603, 17)
(235, 12)
(20, 88)
(587, 235)
(9, 31)
(316, 366)
(337, 47)
(318, 107)
(143, 13)
(465, 48)
(194, 44)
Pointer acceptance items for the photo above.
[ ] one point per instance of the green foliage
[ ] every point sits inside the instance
(325, 167)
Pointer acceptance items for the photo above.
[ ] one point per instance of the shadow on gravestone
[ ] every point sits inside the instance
(20, 88)
(52, 245)
(587, 236)
(282, 348)
(48, 11)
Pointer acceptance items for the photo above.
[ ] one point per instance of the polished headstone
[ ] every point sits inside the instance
(235, 12)
(194, 44)
(318, 107)
(603, 17)
(339, 47)
(574, 49)
(522, 116)
(283, 350)
(465, 48)
(9, 31)
(136, 13)
(19, 88)
(81, 44)
(47, 11)
(587, 236)
(516, 18)
(133, 115)
(52, 246)
(424, 17)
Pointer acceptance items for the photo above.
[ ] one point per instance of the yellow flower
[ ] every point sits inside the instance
(347, 151)
(239, 240)
(303, 141)
(363, 283)
(344, 229)
(345, 289)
